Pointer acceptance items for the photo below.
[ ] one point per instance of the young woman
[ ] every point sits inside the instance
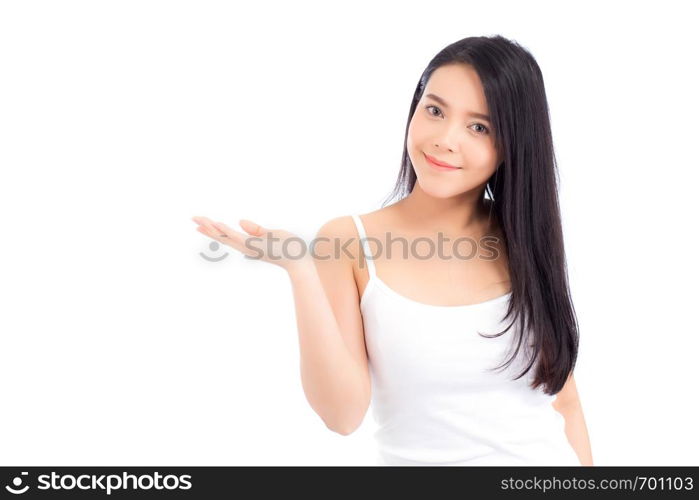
(466, 357)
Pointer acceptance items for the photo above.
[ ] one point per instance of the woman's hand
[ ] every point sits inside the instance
(275, 246)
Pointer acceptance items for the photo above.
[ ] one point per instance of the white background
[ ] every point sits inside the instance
(119, 121)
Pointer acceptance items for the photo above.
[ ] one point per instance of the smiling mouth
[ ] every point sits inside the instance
(433, 162)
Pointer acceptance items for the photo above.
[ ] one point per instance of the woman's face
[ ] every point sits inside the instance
(446, 127)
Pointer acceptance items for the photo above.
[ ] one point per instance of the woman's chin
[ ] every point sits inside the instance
(439, 189)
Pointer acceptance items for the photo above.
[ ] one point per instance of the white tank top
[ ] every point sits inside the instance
(433, 397)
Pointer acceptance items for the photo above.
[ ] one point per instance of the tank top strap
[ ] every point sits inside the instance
(368, 257)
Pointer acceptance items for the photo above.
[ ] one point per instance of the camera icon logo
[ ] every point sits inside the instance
(17, 483)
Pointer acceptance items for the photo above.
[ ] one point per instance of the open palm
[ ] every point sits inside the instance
(275, 246)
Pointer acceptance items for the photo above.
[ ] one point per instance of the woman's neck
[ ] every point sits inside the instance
(466, 213)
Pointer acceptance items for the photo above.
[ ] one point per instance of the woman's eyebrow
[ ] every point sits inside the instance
(444, 103)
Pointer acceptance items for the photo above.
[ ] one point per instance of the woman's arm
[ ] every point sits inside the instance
(334, 363)
(335, 379)
(567, 403)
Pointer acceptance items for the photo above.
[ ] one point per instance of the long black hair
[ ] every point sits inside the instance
(524, 194)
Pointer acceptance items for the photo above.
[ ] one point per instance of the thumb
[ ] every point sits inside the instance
(252, 228)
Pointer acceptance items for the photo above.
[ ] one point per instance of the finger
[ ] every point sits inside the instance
(207, 228)
(224, 231)
(232, 237)
(199, 220)
(207, 223)
(225, 235)
(213, 235)
(252, 228)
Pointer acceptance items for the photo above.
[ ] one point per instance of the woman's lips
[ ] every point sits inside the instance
(439, 165)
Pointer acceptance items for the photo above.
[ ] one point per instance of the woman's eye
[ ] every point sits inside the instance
(432, 106)
(485, 129)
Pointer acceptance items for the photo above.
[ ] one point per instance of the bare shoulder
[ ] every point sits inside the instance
(342, 226)
(339, 237)
(336, 242)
